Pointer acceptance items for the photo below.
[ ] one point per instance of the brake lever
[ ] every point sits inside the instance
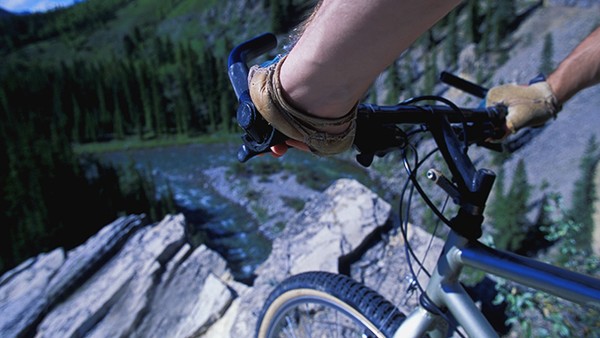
(389, 138)
(258, 135)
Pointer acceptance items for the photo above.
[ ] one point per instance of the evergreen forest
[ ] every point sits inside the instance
(119, 72)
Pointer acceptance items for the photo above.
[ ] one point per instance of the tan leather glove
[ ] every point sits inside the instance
(528, 106)
(266, 93)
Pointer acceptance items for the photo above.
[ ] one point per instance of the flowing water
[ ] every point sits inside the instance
(224, 226)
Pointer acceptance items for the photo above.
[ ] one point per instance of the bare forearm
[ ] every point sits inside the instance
(347, 44)
(581, 69)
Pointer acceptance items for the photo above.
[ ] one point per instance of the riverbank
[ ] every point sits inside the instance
(133, 143)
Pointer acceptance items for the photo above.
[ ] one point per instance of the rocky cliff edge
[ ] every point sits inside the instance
(145, 280)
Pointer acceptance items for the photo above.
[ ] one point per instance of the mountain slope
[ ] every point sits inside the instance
(4, 13)
(552, 157)
(97, 29)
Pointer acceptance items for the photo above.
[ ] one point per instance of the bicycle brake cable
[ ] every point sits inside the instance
(408, 249)
(415, 185)
(403, 220)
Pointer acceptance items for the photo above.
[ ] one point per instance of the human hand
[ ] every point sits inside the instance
(306, 132)
(528, 106)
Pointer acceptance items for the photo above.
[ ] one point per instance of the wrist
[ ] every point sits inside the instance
(321, 98)
(548, 90)
(557, 89)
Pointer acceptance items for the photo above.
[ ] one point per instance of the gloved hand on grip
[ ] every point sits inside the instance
(268, 98)
(528, 106)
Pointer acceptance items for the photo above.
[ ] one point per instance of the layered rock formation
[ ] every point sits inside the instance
(138, 280)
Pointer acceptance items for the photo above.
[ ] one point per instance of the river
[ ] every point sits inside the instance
(218, 222)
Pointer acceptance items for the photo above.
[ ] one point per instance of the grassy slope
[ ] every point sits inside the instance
(205, 24)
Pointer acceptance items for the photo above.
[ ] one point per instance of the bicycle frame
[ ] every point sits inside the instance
(445, 291)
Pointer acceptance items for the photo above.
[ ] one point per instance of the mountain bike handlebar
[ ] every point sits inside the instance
(376, 132)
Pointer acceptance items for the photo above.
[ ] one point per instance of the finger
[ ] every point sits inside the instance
(279, 150)
(298, 145)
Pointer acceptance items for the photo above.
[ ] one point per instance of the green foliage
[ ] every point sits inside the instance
(118, 98)
(284, 14)
(509, 210)
(473, 21)
(504, 13)
(21, 30)
(278, 10)
(294, 203)
(584, 193)
(393, 84)
(561, 318)
(519, 303)
(498, 18)
(547, 65)
(452, 46)
(54, 199)
(431, 72)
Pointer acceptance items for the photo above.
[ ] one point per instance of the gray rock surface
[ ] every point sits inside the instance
(154, 284)
(22, 292)
(331, 225)
(112, 300)
(29, 291)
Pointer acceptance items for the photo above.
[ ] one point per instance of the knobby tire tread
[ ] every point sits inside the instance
(383, 314)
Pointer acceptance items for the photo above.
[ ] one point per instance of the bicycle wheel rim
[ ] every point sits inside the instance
(288, 302)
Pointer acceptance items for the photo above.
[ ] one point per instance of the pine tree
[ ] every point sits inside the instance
(504, 13)
(408, 78)
(393, 84)
(184, 108)
(584, 194)
(118, 128)
(76, 123)
(547, 65)
(281, 12)
(160, 120)
(452, 48)
(276, 16)
(509, 211)
(431, 72)
(473, 21)
(104, 114)
(145, 98)
(487, 41)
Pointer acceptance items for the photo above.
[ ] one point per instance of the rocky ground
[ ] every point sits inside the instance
(145, 280)
(269, 198)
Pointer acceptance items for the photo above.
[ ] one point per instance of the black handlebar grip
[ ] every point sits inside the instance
(464, 85)
(239, 56)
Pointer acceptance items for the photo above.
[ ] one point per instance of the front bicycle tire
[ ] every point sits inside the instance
(323, 304)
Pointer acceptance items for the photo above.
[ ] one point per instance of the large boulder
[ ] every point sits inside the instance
(331, 225)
